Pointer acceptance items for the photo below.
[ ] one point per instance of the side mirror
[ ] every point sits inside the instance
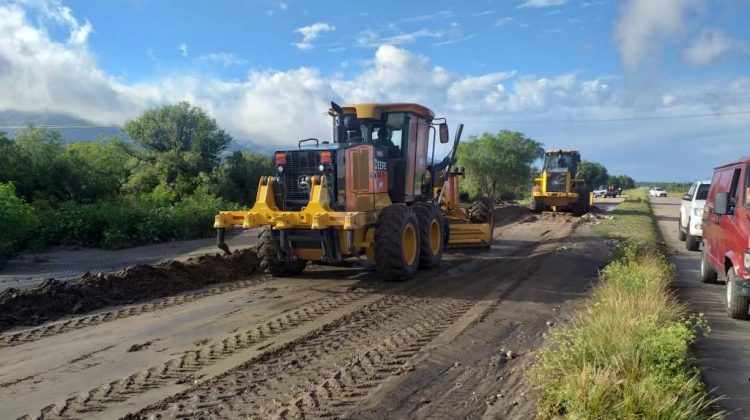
(444, 134)
(687, 197)
(721, 203)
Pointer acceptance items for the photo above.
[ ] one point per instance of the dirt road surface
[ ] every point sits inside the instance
(31, 269)
(725, 353)
(335, 342)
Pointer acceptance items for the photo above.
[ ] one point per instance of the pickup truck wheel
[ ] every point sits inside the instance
(680, 232)
(691, 243)
(737, 306)
(708, 275)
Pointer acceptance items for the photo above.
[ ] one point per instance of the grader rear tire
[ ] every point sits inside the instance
(397, 243)
(480, 211)
(272, 260)
(431, 234)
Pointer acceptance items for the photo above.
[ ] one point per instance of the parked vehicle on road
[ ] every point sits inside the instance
(726, 235)
(606, 191)
(657, 192)
(691, 214)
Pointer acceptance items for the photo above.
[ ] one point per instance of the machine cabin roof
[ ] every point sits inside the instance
(563, 151)
(373, 111)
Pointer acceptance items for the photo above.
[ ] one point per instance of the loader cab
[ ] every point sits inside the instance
(560, 168)
(561, 161)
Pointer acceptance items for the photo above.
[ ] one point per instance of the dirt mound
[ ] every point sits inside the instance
(54, 299)
(505, 215)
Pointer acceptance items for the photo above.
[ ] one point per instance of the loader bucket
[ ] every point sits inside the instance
(469, 235)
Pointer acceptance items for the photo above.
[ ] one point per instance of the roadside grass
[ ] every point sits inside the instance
(625, 352)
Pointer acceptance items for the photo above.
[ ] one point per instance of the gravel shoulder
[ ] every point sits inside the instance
(724, 354)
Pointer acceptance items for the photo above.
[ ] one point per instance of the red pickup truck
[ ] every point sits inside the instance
(726, 234)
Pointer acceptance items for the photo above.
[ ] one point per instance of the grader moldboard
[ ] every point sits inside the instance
(559, 188)
(371, 192)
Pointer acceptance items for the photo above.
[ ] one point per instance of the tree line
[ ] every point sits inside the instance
(165, 184)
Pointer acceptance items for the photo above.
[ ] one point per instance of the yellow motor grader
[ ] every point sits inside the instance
(559, 188)
(370, 192)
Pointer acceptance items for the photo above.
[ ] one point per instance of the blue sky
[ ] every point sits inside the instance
(625, 82)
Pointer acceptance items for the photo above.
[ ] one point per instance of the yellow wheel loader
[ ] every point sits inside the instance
(371, 191)
(559, 188)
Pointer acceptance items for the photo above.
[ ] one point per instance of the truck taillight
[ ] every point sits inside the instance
(325, 158)
(280, 159)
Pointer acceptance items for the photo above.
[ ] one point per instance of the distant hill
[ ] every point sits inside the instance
(72, 129)
(76, 129)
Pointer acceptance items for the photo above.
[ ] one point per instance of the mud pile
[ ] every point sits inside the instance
(54, 299)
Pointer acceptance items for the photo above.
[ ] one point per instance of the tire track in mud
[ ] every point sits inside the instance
(52, 329)
(180, 370)
(334, 367)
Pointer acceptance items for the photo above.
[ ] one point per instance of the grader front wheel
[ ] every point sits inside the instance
(272, 260)
(397, 243)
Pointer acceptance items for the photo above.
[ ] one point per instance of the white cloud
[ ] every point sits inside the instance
(184, 49)
(645, 25)
(370, 38)
(540, 3)
(710, 45)
(311, 33)
(224, 58)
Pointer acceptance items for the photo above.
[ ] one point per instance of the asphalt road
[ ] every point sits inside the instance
(725, 353)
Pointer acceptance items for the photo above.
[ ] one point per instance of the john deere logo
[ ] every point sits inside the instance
(303, 182)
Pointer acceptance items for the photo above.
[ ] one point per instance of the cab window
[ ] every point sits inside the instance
(747, 185)
(734, 190)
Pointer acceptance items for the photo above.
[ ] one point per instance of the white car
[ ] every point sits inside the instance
(657, 192)
(691, 214)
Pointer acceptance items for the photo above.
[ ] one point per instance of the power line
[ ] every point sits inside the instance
(596, 120)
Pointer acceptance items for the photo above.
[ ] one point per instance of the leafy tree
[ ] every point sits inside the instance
(237, 178)
(498, 164)
(622, 181)
(594, 174)
(17, 220)
(99, 168)
(41, 171)
(180, 142)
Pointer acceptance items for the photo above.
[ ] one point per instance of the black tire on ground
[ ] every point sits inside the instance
(680, 233)
(397, 243)
(431, 234)
(737, 306)
(708, 275)
(480, 211)
(691, 242)
(536, 205)
(581, 206)
(272, 260)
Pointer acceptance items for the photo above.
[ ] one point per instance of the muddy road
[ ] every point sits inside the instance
(335, 342)
(724, 354)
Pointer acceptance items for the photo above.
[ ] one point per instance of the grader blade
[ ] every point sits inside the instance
(470, 235)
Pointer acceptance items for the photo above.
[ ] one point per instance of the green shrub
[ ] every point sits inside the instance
(18, 221)
(119, 223)
(625, 354)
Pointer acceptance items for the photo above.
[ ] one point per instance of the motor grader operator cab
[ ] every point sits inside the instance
(396, 138)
